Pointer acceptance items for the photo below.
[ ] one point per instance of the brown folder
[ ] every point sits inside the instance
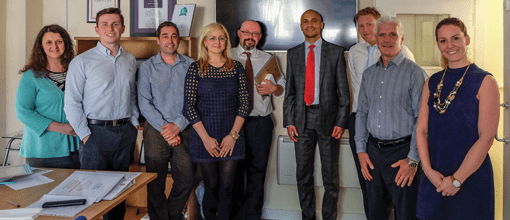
(271, 67)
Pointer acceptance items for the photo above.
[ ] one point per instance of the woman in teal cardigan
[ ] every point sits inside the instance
(48, 139)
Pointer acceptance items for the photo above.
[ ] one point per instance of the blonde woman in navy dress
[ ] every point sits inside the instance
(216, 103)
(457, 123)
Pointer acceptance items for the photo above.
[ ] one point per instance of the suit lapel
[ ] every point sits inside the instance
(324, 56)
(301, 57)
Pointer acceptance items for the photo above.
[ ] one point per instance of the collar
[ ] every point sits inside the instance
(397, 60)
(318, 43)
(158, 59)
(107, 51)
(375, 46)
(240, 50)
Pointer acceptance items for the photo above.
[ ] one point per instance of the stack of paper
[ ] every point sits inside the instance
(88, 184)
(127, 181)
(92, 186)
(19, 214)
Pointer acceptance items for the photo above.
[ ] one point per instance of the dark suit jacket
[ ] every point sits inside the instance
(334, 88)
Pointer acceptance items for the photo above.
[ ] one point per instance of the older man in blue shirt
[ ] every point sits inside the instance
(388, 106)
(100, 101)
(166, 133)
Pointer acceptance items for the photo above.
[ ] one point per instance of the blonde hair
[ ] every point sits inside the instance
(203, 56)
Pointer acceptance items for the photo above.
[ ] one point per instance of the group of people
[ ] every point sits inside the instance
(82, 112)
(399, 118)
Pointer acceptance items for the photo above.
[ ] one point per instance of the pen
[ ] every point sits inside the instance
(13, 203)
(5, 183)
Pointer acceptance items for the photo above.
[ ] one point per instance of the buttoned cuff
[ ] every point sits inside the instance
(181, 123)
(134, 121)
(83, 133)
(361, 147)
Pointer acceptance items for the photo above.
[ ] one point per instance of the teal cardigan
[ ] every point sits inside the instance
(39, 102)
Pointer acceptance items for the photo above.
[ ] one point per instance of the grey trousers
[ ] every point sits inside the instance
(157, 155)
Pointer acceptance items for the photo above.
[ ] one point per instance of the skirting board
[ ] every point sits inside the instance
(296, 214)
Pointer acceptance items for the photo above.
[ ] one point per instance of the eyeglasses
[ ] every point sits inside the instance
(222, 39)
(254, 34)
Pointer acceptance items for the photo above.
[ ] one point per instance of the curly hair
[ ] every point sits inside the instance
(203, 56)
(38, 60)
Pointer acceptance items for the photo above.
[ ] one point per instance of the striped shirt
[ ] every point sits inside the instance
(59, 79)
(389, 102)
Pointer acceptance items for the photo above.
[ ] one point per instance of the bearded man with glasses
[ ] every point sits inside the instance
(248, 198)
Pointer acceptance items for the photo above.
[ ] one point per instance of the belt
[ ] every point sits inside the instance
(389, 143)
(313, 106)
(117, 122)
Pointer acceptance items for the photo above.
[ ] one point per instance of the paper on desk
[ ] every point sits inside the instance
(87, 184)
(30, 181)
(20, 214)
(67, 211)
(124, 184)
(40, 170)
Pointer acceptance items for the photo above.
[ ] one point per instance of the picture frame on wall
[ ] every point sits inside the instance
(146, 15)
(94, 6)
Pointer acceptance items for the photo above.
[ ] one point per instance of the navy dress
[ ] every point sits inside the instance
(450, 136)
(216, 99)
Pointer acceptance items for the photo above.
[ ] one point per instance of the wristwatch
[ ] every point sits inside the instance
(412, 163)
(234, 135)
(455, 182)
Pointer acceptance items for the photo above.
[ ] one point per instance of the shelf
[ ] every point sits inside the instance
(140, 47)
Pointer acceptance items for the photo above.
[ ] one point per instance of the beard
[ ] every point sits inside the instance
(246, 46)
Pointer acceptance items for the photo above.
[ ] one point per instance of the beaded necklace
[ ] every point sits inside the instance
(441, 107)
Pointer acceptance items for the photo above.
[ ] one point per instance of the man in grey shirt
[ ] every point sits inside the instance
(166, 133)
(100, 101)
(388, 106)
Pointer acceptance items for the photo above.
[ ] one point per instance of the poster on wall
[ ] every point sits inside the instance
(94, 6)
(183, 18)
(146, 15)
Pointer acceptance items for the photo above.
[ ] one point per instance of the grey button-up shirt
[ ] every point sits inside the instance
(389, 102)
(161, 91)
(100, 86)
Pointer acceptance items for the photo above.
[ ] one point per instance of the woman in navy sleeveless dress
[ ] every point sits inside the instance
(456, 127)
(216, 102)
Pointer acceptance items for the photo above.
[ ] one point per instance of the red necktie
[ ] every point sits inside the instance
(310, 77)
(249, 75)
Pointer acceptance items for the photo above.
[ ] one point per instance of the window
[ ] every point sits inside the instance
(420, 37)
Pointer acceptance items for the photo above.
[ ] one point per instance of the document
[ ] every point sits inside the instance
(88, 184)
(29, 181)
(9, 172)
(19, 214)
(67, 211)
(124, 184)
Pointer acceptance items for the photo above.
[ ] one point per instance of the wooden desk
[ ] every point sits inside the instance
(26, 197)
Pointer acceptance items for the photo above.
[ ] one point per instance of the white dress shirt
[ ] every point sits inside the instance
(261, 105)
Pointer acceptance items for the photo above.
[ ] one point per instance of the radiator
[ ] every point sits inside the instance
(287, 163)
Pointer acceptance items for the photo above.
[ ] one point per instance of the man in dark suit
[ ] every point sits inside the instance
(316, 110)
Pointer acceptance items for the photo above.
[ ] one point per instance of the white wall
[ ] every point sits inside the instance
(3, 89)
(16, 57)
